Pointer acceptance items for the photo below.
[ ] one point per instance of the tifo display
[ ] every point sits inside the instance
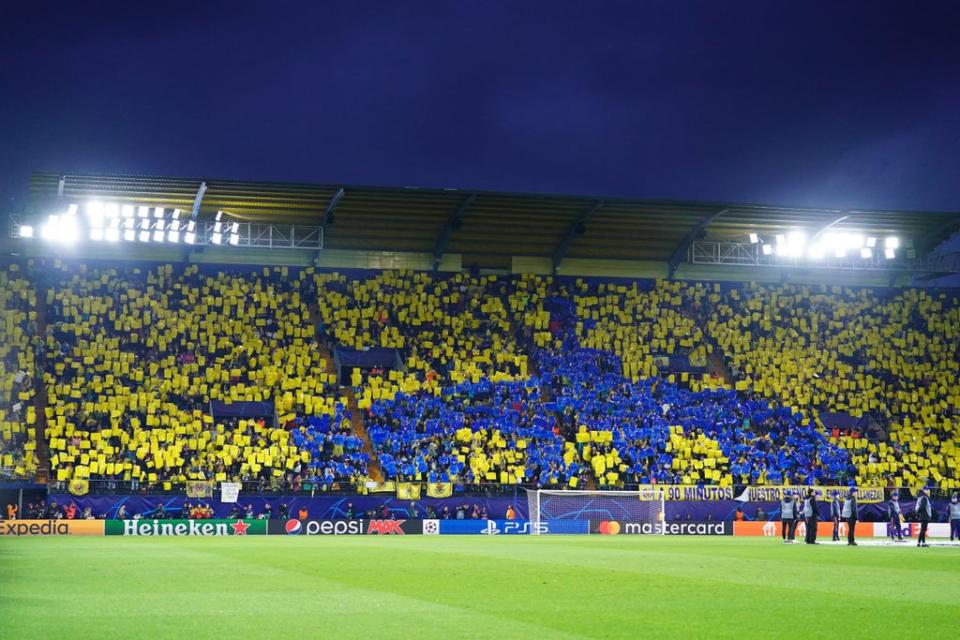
(155, 376)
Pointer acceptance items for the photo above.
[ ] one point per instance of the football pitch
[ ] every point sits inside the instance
(471, 587)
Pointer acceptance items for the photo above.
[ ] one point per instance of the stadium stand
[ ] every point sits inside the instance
(138, 355)
(504, 380)
(18, 458)
(456, 327)
(892, 355)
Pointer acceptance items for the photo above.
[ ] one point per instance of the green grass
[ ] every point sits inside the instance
(471, 586)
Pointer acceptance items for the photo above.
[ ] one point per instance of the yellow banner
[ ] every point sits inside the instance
(408, 491)
(384, 487)
(768, 493)
(865, 495)
(681, 492)
(79, 487)
(439, 489)
(199, 489)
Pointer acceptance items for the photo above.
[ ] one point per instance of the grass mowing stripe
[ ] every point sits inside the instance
(469, 586)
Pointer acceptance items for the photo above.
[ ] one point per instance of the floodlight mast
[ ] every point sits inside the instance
(837, 221)
(195, 214)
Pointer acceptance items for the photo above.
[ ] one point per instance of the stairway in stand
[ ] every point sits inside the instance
(360, 431)
(358, 428)
(716, 367)
(40, 396)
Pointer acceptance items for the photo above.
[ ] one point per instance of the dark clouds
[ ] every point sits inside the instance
(833, 103)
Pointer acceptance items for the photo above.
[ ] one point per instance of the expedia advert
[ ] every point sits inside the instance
(51, 527)
(345, 527)
(683, 528)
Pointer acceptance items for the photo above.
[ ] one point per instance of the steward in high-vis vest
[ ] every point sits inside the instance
(788, 520)
(893, 517)
(835, 515)
(811, 517)
(924, 512)
(849, 513)
(954, 516)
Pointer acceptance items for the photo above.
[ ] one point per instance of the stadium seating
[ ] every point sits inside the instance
(893, 355)
(456, 327)
(473, 434)
(18, 457)
(137, 355)
(506, 379)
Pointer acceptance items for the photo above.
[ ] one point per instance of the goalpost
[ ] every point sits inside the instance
(606, 511)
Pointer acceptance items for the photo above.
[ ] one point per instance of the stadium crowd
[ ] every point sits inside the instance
(18, 424)
(504, 379)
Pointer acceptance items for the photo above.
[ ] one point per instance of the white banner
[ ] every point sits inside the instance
(229, 491)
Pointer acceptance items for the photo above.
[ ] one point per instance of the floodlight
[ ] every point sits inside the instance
(158, 236)
(176, 214)
(871, 242)
(796, 241)
(174, 225)
(47, 230)
(189, 237)
(62, 229)
(158, 225)
(158, 212)
(127, 210)
(866, 252)
(68, 230)
(781, 239)
(96, 207)
(72, 209)
(112, 210)
(143, 212)
(129, 235)
(191, 225)
(112, 234)
(128, 223)
(889, 254)
(144, 236)
(173, 236)
(235, 228)
(115, 223)
(96, 234)
(892, 242)
(234, 239)
(217, 238)
(754, 238)
(816, 251)
(219, 214)
(216, 227)
(767, 249)
(855, 240)
(26, 231)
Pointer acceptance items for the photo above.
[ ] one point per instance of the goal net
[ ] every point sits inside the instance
(566, 511)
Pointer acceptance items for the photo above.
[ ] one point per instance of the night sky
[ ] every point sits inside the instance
(837, 104)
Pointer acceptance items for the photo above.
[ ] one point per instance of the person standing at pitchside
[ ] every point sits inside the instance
(893, 517)
(811, 517)
(835, 515)
(849, 513)
(953, 514)
(924, 512)
(788, 522)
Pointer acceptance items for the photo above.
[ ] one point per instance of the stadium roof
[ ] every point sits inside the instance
(485, 227)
